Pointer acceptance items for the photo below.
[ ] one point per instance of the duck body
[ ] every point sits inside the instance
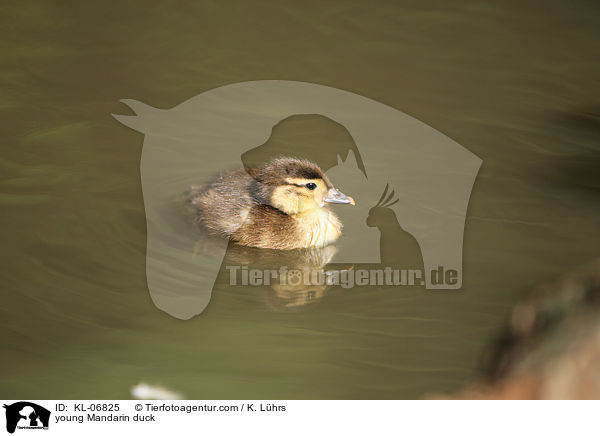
(282, 205)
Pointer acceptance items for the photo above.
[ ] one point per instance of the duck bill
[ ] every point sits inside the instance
(335, 196)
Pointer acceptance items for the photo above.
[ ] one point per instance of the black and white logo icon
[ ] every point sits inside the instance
(26, 415)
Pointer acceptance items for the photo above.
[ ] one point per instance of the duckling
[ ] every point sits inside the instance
(281, 205)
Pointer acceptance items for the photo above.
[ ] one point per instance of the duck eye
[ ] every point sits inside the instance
(311, 186)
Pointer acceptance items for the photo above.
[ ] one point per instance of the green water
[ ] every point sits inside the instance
(517, 83)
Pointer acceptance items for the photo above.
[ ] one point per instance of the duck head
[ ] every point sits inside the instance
(294, 186)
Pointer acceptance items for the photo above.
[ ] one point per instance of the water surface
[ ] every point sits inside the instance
(515, 83)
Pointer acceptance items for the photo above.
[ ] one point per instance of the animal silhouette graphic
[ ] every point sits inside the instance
(398, 248)
(433, 175)
(26, 414)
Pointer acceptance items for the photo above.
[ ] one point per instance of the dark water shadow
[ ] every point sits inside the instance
(581, 169)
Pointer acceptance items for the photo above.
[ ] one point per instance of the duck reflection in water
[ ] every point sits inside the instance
(299, 278)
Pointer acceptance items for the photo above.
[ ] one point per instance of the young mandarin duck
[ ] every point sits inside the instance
(281, 205)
